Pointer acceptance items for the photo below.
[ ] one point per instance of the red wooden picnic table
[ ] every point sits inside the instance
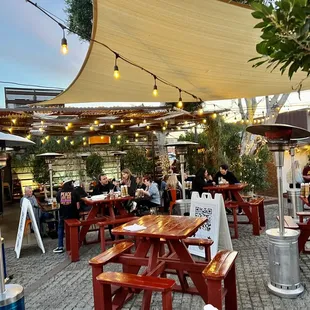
(161, 230)
(109, 203)
(232, 192)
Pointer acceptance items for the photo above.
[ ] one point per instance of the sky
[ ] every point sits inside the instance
(30, 52)
(30, 46)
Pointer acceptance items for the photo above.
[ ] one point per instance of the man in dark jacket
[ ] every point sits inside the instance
(103, 186)
(225, 174)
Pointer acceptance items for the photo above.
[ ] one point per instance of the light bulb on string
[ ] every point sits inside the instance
(116, 71)
(214, 115)
(200, 111)
(84, 143)
(180, 102)
(47, 138)
(64, 44)
(14, 121)
(28, 137)
(155, 90)
(11, 129)
(58, 141)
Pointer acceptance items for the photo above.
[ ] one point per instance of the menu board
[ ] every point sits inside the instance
(216, 228)
(27, 208)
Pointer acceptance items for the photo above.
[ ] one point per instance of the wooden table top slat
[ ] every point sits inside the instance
(163, 226)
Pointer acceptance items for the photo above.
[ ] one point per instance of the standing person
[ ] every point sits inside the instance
(129, 180)
(225, 174)
(69, 209)
(298, 176)
(103, 185)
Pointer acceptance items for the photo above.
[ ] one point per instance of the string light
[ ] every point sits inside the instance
(14, 121)
(67, 128)
(42, 122)
(84, 143)
(64, 43)
(116, 71)
(111, 126)
(166, 122)
(147, 127)
(144, 121)
(96, 122)
(43, 141)
(122, 121)
(91, 128)
(180, 102)
(64, 46)
(11, 129)
(131, 120)
(101, 137)
(200, 111)
(47, 138)
(84, 138)
(204, 121)
(118, 142)
(118, 137)
(72, 142)
(69, 125)
(214, 115)
(127, 141)
(65, 138)
(58, 141)
(155, 90)
(136, 140)
(28, 137)
(137, 135)
(164, 128)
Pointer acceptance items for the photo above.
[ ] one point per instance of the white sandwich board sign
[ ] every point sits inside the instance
(216, 228)
(27, 208)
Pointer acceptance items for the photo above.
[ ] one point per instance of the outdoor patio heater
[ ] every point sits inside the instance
(282, 243)
(49, 157)
(118, 155)
(294, 193)
(181, 148)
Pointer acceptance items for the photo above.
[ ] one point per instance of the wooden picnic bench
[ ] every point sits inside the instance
(73, 243)
(148, 253)
(134, 281)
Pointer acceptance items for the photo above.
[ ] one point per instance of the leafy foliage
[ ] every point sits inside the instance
(80, 17)
(39, 170)
(285, 35)
(137, 161)
(254, 169)
(94, 165)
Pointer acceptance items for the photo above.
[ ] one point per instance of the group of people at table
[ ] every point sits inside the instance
(72, 198)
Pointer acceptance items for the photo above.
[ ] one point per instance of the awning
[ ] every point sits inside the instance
(201, 46)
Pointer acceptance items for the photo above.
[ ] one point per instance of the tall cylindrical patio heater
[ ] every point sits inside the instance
(282, 243)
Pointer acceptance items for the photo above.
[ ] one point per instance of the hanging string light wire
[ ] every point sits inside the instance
(119, 56)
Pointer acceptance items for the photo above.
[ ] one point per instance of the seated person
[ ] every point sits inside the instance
(172, 184)
(103, 185)
(129, 180)
(81, 196)
(40, 215)
(151, 197)
(116, 185)
(225, 174)
(163, 183)
(201, 180)
(140, 184)
(306, 172)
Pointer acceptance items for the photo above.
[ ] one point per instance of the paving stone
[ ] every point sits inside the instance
(52, 282)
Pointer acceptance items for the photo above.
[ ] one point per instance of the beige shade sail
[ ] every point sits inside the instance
(202, 46)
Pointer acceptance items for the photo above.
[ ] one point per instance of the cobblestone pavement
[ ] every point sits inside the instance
(52, 282)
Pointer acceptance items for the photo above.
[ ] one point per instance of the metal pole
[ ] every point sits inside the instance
(2, 285)
(292, 152)
(118, 172)
(280, 197)
(153, 155)
(182, 174)
(50, 168)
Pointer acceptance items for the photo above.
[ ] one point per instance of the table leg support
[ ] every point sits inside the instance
(74, 243)
(255, 219)
(99, 292)
(167, 300)
(230, 286)
(215, 293)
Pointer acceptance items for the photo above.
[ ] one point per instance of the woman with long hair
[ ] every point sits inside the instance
(172, 185)
(202, 179)
(129, 180)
